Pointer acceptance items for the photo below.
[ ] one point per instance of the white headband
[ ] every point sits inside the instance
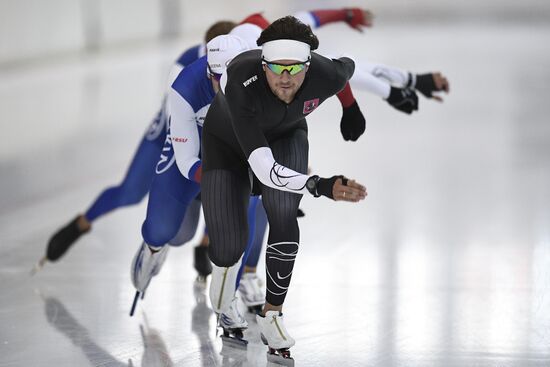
(286, 50)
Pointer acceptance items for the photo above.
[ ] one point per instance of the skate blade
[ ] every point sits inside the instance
(217, 324)
(134, 304)
(234, 342)
(263, 338)
(279, 360)
(39, 265)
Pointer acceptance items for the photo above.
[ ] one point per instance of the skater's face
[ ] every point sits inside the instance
(285, 77)
(215, 79)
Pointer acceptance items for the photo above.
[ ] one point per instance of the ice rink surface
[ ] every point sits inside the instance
(446, 263)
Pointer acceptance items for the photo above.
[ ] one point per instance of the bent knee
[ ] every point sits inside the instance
(158, 235)
(223, 258)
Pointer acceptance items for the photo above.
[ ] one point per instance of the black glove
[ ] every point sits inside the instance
(300, 213)
(425, 84)
(318, 186)
(404, 100)
(352, 124)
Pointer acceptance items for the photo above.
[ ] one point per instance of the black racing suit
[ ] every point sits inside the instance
(247, 116)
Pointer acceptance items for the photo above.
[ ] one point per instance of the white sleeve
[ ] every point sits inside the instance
(363, 80)
(272, 174)
(393, 75)
(183, 133)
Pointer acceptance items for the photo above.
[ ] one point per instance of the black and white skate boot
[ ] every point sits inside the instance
(233, 325)
(222, 286)
(276, 337)
(202, 263)
(61, 241)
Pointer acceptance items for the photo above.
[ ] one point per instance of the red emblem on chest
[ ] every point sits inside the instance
(310, 105)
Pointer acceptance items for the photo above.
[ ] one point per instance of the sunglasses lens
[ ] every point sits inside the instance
(279, 69)
(297, 68)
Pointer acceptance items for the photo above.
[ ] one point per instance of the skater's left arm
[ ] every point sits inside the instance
(426, 84)
(401, 98)
(352, 123)
(386, 76)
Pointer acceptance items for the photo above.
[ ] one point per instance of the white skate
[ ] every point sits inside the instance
(233, 324)
(251, 291)
(145, 265)
(222, 286)
(275, 336)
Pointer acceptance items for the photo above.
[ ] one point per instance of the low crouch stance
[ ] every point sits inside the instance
(255, 140)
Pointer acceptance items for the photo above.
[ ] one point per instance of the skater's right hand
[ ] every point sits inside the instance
(348, 190)
(338, 188)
